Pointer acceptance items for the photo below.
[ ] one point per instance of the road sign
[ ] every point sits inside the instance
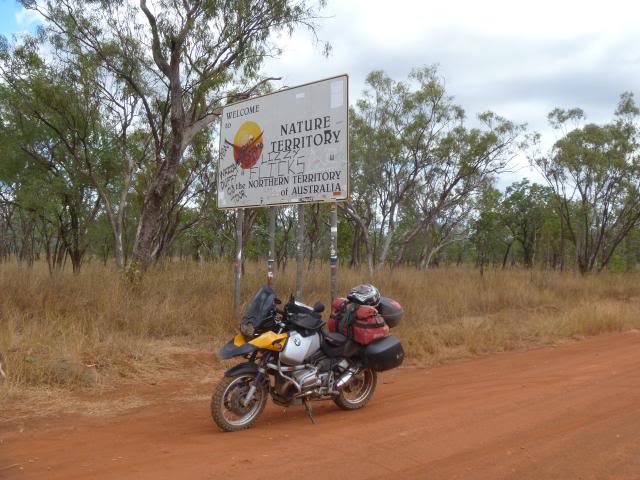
(286, 147)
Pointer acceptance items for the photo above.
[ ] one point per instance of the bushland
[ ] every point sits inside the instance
(95, 329)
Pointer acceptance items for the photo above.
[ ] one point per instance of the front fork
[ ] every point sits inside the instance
(260, 376)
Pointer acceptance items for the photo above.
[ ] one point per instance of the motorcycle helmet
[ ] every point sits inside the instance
(365, 294)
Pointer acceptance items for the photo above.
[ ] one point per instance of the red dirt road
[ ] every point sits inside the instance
(565, 413)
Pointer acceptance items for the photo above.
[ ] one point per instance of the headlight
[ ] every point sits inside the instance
(247, 329)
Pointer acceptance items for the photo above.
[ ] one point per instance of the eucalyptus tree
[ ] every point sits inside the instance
(464, 163)
(126, 155)
(183, 60)
(449, 226)
(361, 206)
(52, 131)
(189, 198)
(418, 162)
(396, 130)
(594, 171)
(486, 228)
(524, 211)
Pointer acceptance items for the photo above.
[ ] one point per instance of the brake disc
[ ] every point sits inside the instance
(233, 402)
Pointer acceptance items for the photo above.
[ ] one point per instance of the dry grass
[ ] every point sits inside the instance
(95, 329)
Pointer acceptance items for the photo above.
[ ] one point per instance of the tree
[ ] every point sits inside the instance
(487, 230)
(416, 162)
(183, 60)
(52, 130)
(594, 173)
(524, 211)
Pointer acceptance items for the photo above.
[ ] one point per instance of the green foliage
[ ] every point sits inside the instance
(108, 114)
(595, 175)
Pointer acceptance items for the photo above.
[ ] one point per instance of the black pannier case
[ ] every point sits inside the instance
(391, 311)
(384, 354)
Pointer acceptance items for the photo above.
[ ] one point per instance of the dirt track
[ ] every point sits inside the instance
(568, 412)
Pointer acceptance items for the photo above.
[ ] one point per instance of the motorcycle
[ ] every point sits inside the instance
(289, 357)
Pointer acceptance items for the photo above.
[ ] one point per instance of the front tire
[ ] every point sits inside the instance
(227, 410)
(359, 391)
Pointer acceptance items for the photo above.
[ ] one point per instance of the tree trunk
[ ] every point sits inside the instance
(351, 212)
(165, 177)
(385, 248)
(506, 256)
(427, 250)
(369, 258)
(118, 249)
(355, 250)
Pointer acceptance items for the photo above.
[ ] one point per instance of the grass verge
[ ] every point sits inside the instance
(95, 330)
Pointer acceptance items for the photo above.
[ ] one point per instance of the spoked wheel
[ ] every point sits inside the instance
(359, 391)
(227, 404)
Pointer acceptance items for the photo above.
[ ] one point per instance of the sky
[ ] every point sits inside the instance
(15, 19)
(518, 59)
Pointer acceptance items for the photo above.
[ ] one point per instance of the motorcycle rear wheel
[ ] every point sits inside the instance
(359, 391)
(227, 411)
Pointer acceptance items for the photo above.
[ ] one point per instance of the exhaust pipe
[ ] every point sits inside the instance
(345, 378)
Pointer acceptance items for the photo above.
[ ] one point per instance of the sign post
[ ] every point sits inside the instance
(300, 253)
(333, 251)
(285, 148)
(238, 262)
(272, 245)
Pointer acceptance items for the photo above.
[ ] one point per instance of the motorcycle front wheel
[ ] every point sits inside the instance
(357, 393)
(227, 403)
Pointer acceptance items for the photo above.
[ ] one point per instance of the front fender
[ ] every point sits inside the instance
(232, 349)
(242, 368)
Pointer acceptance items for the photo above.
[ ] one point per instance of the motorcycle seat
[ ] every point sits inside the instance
(337, 345)
(335, 339)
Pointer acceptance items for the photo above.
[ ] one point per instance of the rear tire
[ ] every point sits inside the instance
(359, 391)
(226, 398)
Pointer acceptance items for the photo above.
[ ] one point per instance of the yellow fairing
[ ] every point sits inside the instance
(268, 341)
(239, 340)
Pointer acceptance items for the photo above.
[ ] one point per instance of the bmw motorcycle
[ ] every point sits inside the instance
(289, 357)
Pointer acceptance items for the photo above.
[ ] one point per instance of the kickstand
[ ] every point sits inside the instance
(307, 406)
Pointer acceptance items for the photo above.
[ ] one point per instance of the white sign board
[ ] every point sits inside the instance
(286, 147)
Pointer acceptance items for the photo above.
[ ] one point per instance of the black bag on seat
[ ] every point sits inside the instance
(307, 321)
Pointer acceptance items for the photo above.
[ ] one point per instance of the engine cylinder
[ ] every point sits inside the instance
(308, 378)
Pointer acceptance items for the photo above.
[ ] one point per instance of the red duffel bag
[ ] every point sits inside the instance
(362, 323)
(368, 325)
(337, 321)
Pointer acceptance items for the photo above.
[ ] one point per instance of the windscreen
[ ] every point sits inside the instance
(260, 306)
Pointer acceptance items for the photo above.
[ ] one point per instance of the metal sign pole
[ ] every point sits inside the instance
(272, 245)
(333, 260)
(300, 252)
(238, 262)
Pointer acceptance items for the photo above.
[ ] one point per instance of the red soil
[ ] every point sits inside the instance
(566, 412)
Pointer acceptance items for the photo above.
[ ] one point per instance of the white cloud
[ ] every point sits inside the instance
(519, 59)
(25, 18)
